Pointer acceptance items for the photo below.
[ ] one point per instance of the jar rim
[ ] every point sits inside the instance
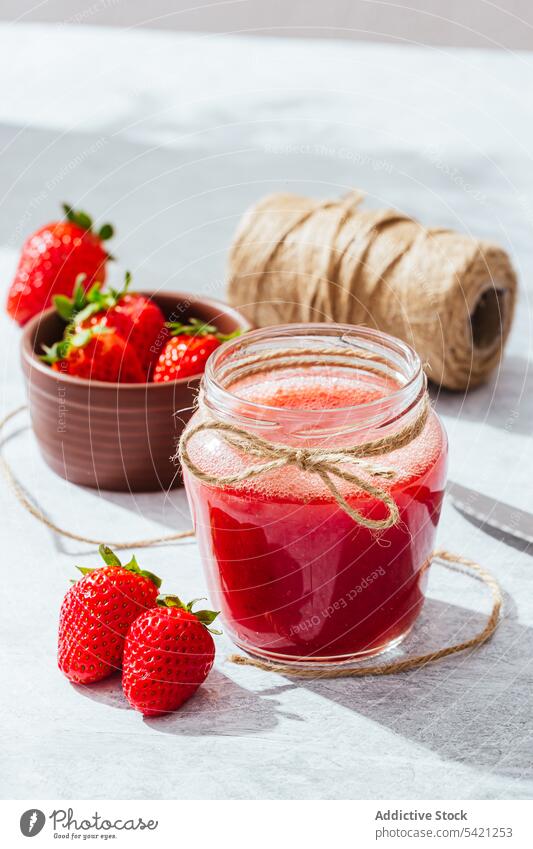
(401, 355)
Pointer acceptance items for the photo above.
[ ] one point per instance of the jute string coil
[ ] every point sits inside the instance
(450, 296)
(401, 665)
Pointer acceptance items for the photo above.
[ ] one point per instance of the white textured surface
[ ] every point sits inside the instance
(171, 137)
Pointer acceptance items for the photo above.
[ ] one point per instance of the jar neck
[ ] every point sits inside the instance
(355, 352)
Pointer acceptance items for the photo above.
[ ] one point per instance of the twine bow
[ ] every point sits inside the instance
(326, 464)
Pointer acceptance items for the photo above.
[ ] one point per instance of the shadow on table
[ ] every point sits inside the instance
(219, 708)
(167, 508)
(505, 403)
(474, 708)
(108, 692)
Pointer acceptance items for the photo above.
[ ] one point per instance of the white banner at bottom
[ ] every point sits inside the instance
(267, 824)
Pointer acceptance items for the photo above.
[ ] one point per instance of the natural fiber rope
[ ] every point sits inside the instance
(21, 497)
(409, 662)
(324, 463)
(448, 295)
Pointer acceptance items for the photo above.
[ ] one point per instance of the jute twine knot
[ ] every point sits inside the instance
(327, 464)
(304, 461)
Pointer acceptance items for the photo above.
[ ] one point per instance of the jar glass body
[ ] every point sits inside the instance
(295, 577)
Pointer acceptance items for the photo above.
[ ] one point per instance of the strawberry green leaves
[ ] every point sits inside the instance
(77, 217)
(195, 327)
(85, 222)
(106, 232)
(68, 308)
(77, 309)
(72, 339)
(206, 617)
(108, 556)
(133, 566)
(110, 559)
(84, 304)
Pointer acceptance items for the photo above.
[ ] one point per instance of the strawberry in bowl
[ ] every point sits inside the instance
(187, 351)
(122, 336)
(136, 318)
(96, 353)
(98, 420)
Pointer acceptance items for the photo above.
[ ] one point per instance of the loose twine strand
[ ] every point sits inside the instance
(404, 665)
(22, 498)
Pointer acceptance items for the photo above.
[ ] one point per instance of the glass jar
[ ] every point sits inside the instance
(296, 577)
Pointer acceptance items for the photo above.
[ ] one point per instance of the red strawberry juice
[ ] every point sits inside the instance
(296, 579)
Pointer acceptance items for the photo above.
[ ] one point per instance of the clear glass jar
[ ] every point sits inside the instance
(295, 577)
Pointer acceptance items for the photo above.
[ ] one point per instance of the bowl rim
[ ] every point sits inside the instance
(32, 359)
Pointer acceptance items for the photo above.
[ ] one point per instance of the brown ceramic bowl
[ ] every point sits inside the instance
(109, 435)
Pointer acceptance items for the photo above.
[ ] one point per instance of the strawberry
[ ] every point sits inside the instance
(187, 351)
(52, 258)
(96, 353)
(96, 614)
(137, 319)
(168, 653)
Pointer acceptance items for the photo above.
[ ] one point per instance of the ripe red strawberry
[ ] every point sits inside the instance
(52, 258)
(137, 319)
(95, 354)
(96, 614)
(187, 351)
(168, 653)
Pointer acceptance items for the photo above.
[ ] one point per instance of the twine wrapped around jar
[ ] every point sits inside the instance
(451, 297)
(353, 464)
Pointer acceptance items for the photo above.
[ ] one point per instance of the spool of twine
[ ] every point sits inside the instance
(451, 297)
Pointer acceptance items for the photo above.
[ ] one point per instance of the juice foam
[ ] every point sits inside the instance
(333, 393)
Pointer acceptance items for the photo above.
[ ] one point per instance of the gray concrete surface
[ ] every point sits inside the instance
(172, 136)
